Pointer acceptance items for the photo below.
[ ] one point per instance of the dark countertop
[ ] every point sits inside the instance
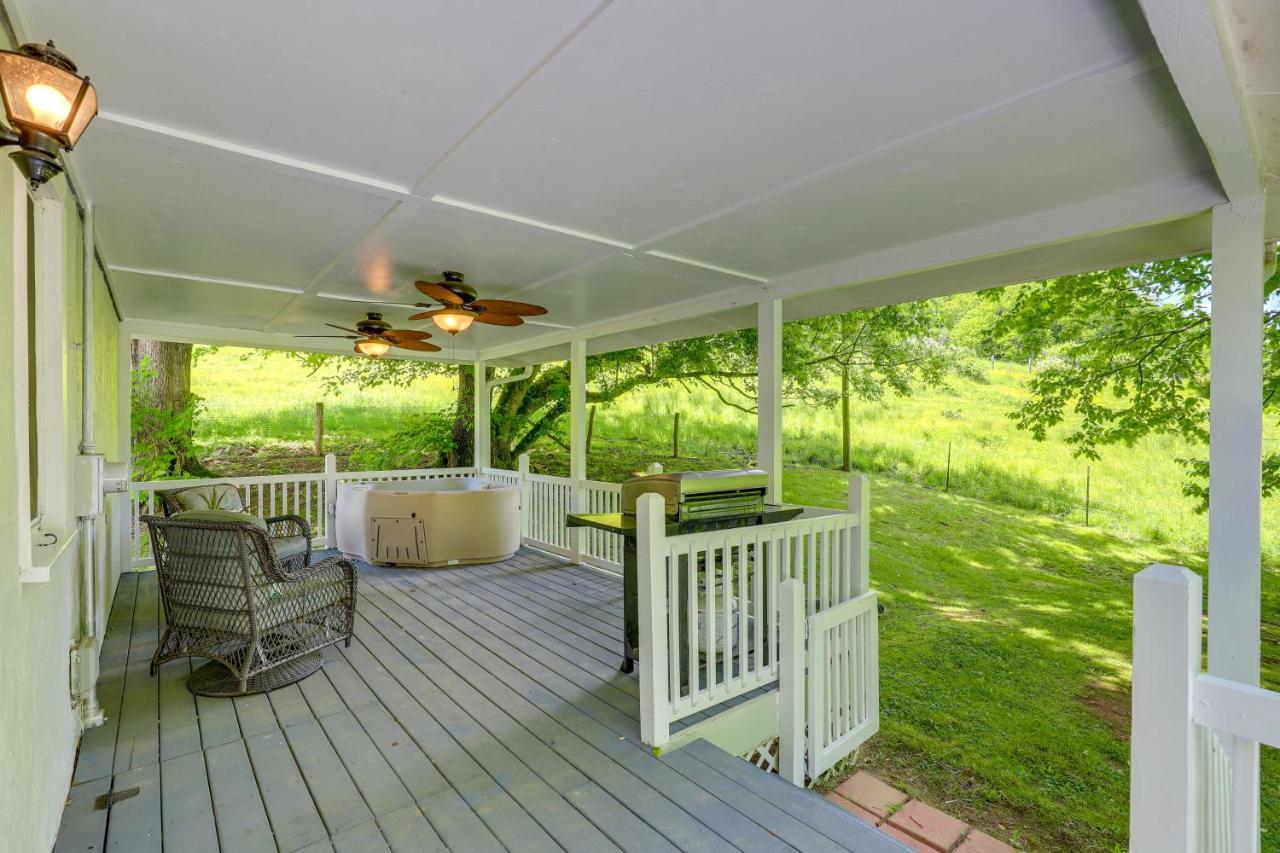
(617, 522)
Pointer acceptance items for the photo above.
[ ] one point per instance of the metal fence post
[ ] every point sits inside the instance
(791, 682)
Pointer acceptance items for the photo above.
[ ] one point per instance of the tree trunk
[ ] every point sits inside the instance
(846, 463)
(163, 392)
(464, 445)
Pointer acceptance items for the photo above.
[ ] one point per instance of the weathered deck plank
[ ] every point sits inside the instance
(479, 708)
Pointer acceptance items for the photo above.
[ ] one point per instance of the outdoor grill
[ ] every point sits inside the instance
(701, 495)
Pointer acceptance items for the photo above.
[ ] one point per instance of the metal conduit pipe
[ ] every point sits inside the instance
(86, 700)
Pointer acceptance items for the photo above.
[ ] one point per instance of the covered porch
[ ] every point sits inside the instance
(480, 708)
(645, 172)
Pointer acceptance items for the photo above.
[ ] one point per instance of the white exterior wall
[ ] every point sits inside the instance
(38, 621)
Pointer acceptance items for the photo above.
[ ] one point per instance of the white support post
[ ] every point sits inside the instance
(1235, 445)
(330, 500)
(522, 482)
(651, 587)
(791, 682)
(1163, 806)
(1235, 477)
(860, 505)
(481, 456)
(769, 385)
(577, 434)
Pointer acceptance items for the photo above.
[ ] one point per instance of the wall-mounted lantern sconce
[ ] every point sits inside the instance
(48, 106)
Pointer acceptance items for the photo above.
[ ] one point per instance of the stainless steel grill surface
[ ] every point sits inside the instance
(701, 495)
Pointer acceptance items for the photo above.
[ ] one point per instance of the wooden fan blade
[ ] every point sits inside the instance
(344, 337)
(416, 346)
(506, 306)
(407, 334)
(498, 319)
(426, 315)
(438, 292)
(345, 329)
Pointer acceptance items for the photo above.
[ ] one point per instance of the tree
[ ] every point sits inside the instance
(874, 352)
(163, 410)
(1133, 358)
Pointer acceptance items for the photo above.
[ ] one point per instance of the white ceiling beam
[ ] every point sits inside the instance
(193, 333)
(1160, 203)
(204, 279)
(1148, 205)
(272, 160)
(1205, 68)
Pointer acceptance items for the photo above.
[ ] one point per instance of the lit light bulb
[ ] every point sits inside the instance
(453, 320)
(49, 106)
(373, 347)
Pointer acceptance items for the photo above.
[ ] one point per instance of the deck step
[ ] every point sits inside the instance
(814, 811)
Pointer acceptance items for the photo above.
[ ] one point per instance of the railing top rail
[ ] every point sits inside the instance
(602, 486)
(834, 519)
(548, 478)
(406, 472)
(255, 480)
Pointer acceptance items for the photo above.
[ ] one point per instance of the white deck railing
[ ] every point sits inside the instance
(1194, 748)
(710, 620)
(544, 503)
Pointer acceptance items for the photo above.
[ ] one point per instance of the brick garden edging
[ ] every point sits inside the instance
(912, 822)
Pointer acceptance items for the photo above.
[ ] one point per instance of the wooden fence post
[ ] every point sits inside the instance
(522, 481)
(860, 505)
(591, 427)
(319, 440)
(330, 500)
(675, 437)
(651, 577)
(791, 682)
(1163, 807)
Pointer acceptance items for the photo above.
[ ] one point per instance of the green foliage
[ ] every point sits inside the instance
(1132, 357)
(420, 442)
(161, 439)
(887, 350)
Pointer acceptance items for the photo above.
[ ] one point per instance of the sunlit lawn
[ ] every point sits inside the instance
(1004, 662)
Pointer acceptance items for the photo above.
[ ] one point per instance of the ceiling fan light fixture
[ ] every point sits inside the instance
(372, 347)
(453, 320)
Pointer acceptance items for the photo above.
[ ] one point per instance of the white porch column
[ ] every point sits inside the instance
(577, 432)
(769, 385)
(1235, 444)
(1235, 479)
(480, 418)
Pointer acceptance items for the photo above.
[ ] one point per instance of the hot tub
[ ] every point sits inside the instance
(441, 522)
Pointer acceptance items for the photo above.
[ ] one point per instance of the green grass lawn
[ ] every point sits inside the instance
(1005, 645)
(1005, 662)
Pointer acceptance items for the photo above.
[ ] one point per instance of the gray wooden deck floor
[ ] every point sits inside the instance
(479, 708)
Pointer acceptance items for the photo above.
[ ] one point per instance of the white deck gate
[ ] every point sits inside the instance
(711, 614)
(1194, 748)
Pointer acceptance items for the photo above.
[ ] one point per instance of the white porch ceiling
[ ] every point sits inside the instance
(257, 165)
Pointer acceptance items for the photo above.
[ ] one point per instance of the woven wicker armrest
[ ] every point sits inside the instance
(336, 566)
(288, 525)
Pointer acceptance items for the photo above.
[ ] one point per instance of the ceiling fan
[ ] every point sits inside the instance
(461, 307)
(374, 337)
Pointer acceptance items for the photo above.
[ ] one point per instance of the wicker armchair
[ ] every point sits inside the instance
(228, 598)
(291, 533)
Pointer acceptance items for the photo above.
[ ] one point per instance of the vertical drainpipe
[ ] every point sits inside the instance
(86, 700)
